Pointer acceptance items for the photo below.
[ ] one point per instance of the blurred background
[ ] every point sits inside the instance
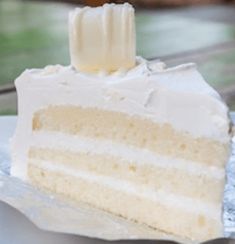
(34, 34)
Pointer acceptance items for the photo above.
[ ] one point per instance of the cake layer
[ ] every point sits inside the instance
(131, 130)
(155, 176)
(143, 205)
(75, 143)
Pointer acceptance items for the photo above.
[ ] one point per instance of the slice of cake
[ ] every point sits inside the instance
(125, 135)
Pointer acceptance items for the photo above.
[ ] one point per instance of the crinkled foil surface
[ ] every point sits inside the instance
(50, 213)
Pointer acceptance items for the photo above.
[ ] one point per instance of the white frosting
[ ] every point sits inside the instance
(102, 38)
(187, 204)
(60, 141)
(178, 96)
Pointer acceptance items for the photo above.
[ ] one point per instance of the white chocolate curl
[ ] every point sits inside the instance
(102, 38)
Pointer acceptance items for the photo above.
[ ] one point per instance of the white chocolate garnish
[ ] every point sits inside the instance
(102, 38)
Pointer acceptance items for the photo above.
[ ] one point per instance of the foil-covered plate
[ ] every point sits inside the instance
(49, 212)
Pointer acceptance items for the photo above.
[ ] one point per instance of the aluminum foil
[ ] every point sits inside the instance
(49, 212)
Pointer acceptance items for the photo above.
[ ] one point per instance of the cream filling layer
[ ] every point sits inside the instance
(172, 201)
(61, 141)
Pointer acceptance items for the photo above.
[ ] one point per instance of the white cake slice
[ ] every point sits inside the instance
(148, 143)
